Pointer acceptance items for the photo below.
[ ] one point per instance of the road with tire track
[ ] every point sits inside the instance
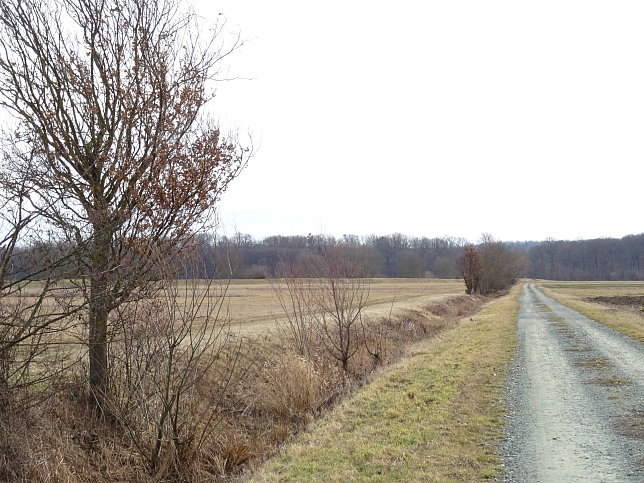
(575, 398)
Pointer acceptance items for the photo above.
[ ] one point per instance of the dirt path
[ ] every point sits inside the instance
(575, 398)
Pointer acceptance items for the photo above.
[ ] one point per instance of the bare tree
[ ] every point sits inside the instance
(109, 96)
(470, 266)
(322, 299)
(339, 297)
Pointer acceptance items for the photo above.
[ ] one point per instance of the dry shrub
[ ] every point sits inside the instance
(295, 295)
(411, 326)
(10, 453)
(383, 340)
(173, 359)
(281, 393)
(34, 350)
(293, 388)
(456, 306)
(326, 307)
(376, 341)
(60, 440)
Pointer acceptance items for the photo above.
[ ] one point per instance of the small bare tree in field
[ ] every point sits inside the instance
(470, 265)
(324, 308)
(338, 299)
(108, 97)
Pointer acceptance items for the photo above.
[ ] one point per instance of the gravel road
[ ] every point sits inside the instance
(575, 398)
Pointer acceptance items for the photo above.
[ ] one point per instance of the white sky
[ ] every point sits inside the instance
(521, 119)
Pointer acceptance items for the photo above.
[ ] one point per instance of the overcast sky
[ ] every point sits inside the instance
(520, 119)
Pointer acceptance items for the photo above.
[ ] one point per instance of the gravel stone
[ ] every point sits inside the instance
(575, 398)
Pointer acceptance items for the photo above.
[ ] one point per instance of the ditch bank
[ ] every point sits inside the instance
(290, 391)
(433, 415)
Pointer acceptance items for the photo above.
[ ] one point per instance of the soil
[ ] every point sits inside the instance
(575, 398)
(632, 301)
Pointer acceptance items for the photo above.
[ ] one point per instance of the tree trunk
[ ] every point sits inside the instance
(98, 313)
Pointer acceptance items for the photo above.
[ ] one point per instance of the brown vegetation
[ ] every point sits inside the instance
(111, 151)
(470, 265)
(189, 406)
(492, 267)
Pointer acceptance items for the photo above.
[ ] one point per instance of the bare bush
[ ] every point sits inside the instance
(338, 299)
(167, 377)
(502, 265)
(325, 308)
(36, 308)
(34, 350)
(374, 336)
(295, 295)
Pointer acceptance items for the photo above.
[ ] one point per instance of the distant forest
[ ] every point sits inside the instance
(599, 259)
(391, 256)
(400, 256)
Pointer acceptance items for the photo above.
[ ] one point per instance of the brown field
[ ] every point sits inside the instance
(251, 306)
(254, 306)
(615, 304)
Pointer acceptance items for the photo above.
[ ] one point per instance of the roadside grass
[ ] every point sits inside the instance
(435, 416)
(596, 286)
(578, 295)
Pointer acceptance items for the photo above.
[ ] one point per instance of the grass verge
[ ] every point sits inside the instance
(434, 416)
(575, 296)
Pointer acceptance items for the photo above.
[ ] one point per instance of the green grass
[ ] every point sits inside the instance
(435, 416)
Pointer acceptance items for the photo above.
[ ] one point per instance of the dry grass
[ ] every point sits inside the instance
(254, 306)
(290, 390)
(277, 393)
(435, 416)
(581, 296)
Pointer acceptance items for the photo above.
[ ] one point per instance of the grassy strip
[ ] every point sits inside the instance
(434, 416)
(593, 285)
(626, 321)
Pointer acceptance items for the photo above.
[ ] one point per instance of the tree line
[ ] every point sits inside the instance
(243, 257)
(401, 256)
(389, 256)
(597, 259)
